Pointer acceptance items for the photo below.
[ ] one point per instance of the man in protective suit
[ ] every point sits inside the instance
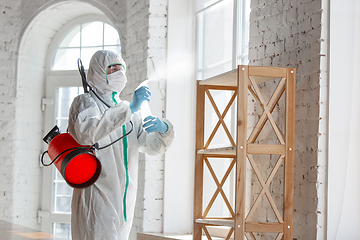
(105, 210)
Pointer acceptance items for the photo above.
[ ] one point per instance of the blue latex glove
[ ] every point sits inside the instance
(154, 124)
(140, 95)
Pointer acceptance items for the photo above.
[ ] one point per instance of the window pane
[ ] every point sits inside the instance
(65, 96)
(243, 31)
(111, 36)
(62, 204)
(62, 124)
(113, 48)
(82, 42)
(57, 175)
(72, 39)
(87, 53)
(62, 194)
(66, 59)
(215, 31)
(63, 189)
(62, 230)
(92, 34)
(201, 4)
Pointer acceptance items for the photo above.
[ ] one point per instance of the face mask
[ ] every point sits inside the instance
(117, 81)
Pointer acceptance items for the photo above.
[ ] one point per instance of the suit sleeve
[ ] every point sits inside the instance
(156, 143)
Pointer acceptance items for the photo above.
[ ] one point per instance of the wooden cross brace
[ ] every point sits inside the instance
(221, 118)
(219, 187)
(268, 109)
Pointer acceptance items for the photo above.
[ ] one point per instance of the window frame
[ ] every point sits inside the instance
(181, 47)
(63, 32)
(238, 33)
(238, 45)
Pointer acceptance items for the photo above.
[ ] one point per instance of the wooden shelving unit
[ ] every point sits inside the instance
(242, 82)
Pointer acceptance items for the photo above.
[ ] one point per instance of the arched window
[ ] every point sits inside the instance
(80, 38)
(82, 41)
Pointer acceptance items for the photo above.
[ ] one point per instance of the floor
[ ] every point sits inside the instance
(10, 231)
(165, 236)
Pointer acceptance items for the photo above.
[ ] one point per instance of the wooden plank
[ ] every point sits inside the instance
(289, 159)
(164, 236)
(228, 79)
(253, 148)
(279, 236)
(221, 88)
(199, 164)
(273, 72)
(151, 236)
(250, 236)
(227, 151)
(259, 80)
(207, 234)
(264, 227)
(36, 235)
(13, 231)
(260, 74)
(240, 189)
(229, 235)
(216, 222)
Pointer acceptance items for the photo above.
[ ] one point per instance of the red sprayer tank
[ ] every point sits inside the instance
(77, 163)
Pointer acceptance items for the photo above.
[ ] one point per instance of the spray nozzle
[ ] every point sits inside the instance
(53, 133)
(145, 107)
(143, 83)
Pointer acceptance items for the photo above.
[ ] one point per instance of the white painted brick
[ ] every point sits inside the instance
(295, 43)
(158, 32)
(158, 21)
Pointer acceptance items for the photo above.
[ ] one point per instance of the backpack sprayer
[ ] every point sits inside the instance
(77, 163)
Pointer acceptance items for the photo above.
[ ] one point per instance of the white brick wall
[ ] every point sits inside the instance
(9, 30)
(146, 37)
(287, 34)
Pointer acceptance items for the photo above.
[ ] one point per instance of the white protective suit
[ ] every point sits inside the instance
(105, 210)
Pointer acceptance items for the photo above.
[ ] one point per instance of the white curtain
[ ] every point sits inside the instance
(344, 121)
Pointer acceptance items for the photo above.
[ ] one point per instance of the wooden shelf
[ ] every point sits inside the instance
(259, 74)
(267, 72)
(216, 222)
(170, 236)
(227, 151)
(268, 227)
(244, 150)
(251, 148)
(228, 79)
